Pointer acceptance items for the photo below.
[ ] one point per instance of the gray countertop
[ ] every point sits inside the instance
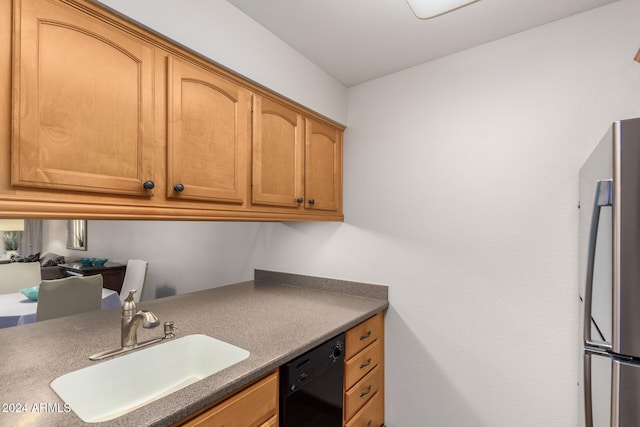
(276, 317)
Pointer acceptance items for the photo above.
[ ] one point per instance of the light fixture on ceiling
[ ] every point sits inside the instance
(427, 9)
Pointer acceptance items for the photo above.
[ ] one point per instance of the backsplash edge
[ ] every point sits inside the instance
(365, 290)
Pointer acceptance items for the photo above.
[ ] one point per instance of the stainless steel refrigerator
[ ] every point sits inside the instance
(610, 279)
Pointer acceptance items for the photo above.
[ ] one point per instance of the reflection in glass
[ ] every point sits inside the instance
(77, 234)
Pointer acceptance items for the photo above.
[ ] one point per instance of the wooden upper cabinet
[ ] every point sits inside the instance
(109, 120)
(278, 154)
(82, 102)
(297, 161)
(208, 135)
(323, 167)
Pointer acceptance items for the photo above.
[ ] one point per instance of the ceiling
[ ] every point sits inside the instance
(359, 40)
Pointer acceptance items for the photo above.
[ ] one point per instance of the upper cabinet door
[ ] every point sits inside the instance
(82, 102)
(323, 167)
(278, 158)
(208, 135)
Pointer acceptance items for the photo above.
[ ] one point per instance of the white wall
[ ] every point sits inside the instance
(183, 256)
(461, 194)
(219, 31)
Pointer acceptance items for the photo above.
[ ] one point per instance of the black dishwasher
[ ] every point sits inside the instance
(311, 389)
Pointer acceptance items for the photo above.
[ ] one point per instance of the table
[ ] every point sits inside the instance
(17, 309)
(112, 273)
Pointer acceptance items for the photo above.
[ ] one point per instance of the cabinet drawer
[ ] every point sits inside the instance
(251, 407)
(272, 422)
(358, 366)
(362, 335)
(371, 415)
(359, 394)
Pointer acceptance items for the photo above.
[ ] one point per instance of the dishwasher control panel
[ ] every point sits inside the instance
(313, 364)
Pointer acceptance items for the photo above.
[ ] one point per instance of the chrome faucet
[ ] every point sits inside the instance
(130, 321)
(129, 332)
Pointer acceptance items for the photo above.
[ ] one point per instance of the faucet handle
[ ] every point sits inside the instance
(168, 329)
(129, 304)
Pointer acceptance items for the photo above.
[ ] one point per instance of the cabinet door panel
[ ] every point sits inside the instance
(362, 363)
(363, 334)
(255, 406)
(83, 110)
(360, 393)
(277, 154)
(372, 414)
(272, 422)
(208, 134)
(323, 167)
(364, 374)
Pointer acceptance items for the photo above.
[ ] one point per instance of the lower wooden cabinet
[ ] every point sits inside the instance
(356, 397)
(371, 415)
(255, 406)
(272, 422)
(364, 374)
(362, 363)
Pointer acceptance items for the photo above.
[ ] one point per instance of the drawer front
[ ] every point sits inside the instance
(359, 394)
(371, 415)
(251, 407)
(361, 364)
(272, 422)
(362, 335)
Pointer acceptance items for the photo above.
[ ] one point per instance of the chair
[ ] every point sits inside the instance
(134, 278)
(17, 275)
(71, 295)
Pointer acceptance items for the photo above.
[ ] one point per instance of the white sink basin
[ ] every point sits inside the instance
(110, 389)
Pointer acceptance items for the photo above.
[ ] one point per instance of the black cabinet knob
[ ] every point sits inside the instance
(312, 202)
(148, 185)
(178, 188)
(299, 200)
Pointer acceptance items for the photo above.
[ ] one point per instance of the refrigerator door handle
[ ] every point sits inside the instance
(588, 386)
(588, 402)
(603, 197)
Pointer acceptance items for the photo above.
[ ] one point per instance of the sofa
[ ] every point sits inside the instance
(49, 262)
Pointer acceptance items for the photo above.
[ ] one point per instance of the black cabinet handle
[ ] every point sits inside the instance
(365, 364)
(365, 336)
(178, 188)
(299, 200)
(367, 391)
(148, 185)
(312, 202)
